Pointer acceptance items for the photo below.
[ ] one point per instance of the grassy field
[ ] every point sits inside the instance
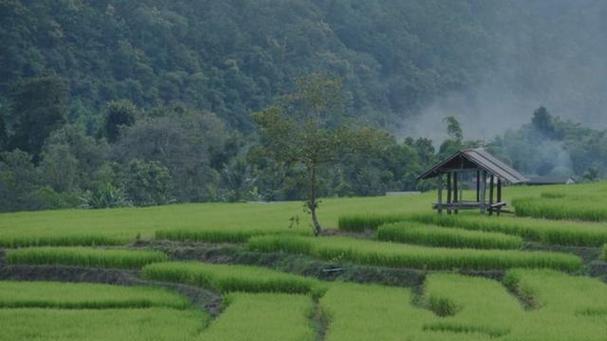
(532, 302)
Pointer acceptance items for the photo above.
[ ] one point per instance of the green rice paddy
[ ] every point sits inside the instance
(515, 295)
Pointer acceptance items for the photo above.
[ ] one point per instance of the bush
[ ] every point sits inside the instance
(230, 278)
(87, 257)
(419, 257)
(416, 233)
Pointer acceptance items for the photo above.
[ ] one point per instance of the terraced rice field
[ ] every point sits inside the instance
(238, 272)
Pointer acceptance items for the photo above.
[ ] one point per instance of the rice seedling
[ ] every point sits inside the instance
(470, 304)
(586, 208)
(361, 222)
(412, 256)
(99, 325)
(77, 227)
(371, 312)
(565, 307)
(81, 256)
(559, 292)
(13, 240)
(432, 235)
(252, 317)
(230, 278)
(18, 294)
(540, 230)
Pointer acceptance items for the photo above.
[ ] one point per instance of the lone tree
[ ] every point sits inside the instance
(307, 128)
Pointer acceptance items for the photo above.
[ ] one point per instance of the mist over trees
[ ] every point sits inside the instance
(111, 103)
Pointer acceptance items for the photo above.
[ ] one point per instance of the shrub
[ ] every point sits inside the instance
(402, 255)
(360, 222)
(416, 233)
(230, 278)
(80, 256)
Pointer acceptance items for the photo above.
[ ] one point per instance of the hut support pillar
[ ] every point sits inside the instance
(491, 185)
(499, 195)
(483, 188)
(448, 193)
(455, 192)
(440, 194)
(478, 186)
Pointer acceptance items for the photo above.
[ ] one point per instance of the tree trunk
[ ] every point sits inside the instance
(312, 203)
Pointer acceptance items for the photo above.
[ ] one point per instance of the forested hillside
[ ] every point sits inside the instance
(116, 102)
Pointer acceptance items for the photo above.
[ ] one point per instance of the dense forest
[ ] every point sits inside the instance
(119, 102)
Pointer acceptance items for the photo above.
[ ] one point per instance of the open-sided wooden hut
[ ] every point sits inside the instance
(488, 171)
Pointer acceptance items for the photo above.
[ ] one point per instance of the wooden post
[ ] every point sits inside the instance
(478, 185)
(499, 195)
(448, 193)
(440, 194)
(491, 183)
(482, 192)
(455, 192)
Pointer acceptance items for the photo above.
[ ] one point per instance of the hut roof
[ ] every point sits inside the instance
(477, 158)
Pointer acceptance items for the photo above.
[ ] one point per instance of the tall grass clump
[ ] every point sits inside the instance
(402, 255)
(87, 257)
(262, 317)
(563, 208)
(362, 222)
(231, 278)
(432, 235)
(548, 232)
(18, 294)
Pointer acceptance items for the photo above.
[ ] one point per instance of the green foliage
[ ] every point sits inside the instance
(545, 231)
(88, 257)
(85, 296)
(261, 317)
(416, 233)
(147, 183)
(231, 278)
(402, 255)
(104, 195)
(119, 114)
(39, 106)
(306, 131)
